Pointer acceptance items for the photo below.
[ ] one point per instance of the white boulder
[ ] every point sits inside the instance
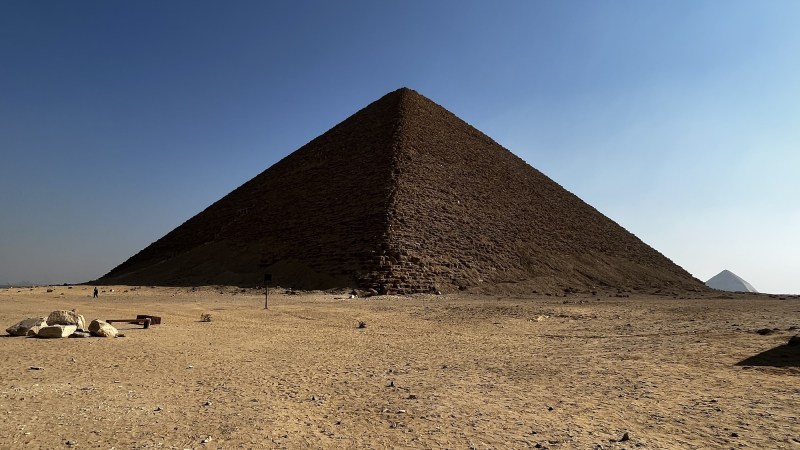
(56, 331)
(63, 317)
(27, 327)
(102, 328)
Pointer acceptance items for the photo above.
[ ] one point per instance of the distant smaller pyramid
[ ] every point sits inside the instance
(729, 281)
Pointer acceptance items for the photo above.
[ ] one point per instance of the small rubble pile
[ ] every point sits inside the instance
(61, 324)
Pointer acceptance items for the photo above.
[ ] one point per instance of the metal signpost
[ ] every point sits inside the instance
(267, 279)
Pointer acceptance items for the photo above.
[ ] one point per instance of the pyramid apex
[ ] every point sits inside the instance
(400, 94)
(405, 91)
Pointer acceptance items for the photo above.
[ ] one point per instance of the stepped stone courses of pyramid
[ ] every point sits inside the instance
(403, 195)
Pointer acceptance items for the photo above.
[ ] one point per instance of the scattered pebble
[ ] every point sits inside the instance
(625, 437)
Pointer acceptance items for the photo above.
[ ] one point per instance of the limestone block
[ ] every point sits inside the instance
(63, 317)
(56, 331)
(102, 328)
(27, 327)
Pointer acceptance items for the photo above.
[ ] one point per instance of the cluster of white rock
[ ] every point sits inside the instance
(61, 324)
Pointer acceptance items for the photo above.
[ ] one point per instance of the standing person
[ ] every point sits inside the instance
(94, 294)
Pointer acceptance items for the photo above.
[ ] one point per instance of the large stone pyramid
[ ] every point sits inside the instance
(729, 281)
(403, 196)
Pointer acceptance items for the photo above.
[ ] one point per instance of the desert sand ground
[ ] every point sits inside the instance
(456, 371)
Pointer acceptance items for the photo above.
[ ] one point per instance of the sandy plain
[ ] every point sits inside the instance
(454, 371)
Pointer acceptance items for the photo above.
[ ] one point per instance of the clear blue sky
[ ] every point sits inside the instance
(677, 119)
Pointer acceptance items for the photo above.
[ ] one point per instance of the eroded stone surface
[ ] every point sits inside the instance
(27, 327)
(56, 331)
(64, 317)
(102, 328)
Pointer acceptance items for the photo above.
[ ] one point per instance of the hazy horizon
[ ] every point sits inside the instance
(677, 120)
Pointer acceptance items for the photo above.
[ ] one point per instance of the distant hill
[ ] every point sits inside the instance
(20, 284)
(729, 281)
(402, 197)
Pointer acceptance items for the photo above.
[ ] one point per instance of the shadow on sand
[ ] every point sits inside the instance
(781, 356)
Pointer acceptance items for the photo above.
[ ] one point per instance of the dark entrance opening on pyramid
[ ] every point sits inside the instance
(402, 196)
